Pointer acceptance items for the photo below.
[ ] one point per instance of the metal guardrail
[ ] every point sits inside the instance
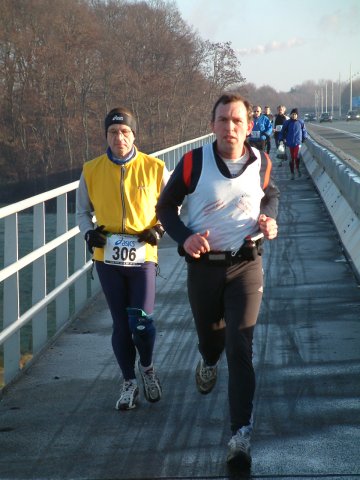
(339, 188)
(344, 177)
(78, 282)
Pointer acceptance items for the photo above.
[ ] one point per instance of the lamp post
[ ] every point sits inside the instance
(326, 107)
(339, 98)
(350, 102)
(317, 98)
(352, 75)
(322, 100)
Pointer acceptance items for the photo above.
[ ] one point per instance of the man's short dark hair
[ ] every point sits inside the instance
(231, 98)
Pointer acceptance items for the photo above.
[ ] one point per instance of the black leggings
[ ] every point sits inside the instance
(129, 287)
(225, 303)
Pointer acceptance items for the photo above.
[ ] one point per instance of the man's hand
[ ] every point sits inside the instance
(197, 244)
(268, 227)
(95, 238)
(152, 235)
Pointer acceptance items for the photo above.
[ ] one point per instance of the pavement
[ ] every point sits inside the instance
(58, 420)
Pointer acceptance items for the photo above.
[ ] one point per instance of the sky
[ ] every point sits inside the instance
(283, 43)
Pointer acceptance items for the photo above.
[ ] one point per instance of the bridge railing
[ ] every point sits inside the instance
(44, 278)
(339, 187)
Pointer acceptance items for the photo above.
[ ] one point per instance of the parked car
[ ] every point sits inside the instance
(353, 115)
(326, 117)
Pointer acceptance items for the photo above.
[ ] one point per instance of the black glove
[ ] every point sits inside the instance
(152, 235)
(95, 238)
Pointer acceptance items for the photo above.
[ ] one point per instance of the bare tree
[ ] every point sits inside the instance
(64, 64)
(222, 68)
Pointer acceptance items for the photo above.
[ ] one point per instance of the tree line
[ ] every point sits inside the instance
(65, 64)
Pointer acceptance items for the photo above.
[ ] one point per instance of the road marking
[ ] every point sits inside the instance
(355, 135)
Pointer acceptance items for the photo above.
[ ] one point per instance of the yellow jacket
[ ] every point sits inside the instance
(124, 196)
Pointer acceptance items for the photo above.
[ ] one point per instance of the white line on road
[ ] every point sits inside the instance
(355, 135)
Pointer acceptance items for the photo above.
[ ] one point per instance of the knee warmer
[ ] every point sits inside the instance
(141, 325)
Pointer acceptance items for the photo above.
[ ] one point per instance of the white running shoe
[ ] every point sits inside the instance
(151, 383)
(128, 396)
(239, 449)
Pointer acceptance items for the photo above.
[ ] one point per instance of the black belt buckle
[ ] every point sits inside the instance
(217, 257)
(212, 258)
(227, 258)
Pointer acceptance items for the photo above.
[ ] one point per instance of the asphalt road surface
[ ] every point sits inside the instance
(341, 137)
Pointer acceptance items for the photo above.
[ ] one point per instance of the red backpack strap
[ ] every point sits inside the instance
(187, 168)
(266, 166)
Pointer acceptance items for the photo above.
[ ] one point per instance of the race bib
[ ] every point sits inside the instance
(278, 128)
(255, 134)
(124, 250)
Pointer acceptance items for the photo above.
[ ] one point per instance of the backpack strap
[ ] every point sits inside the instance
(265, 170)
(187, 168)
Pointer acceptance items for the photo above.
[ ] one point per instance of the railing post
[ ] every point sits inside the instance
(81, 284)
(62, 262)
(39, 321)
(11, 299)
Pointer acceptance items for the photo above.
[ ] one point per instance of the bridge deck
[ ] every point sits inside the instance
(58, 421)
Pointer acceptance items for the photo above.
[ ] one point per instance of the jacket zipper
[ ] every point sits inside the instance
(122, 196)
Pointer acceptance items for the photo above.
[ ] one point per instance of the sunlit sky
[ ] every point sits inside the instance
(283, 43)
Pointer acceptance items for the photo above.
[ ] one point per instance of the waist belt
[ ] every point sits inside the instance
(245, 254)
(220, 258)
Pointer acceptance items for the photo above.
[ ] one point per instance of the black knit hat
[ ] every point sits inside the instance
(294, 110)
(119, 116)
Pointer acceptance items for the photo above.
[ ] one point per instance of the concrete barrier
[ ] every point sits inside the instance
(339, 187)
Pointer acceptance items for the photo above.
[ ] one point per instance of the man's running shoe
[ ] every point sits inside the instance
(128, 396)
(239, 449)
(205, 377)
(151, 383)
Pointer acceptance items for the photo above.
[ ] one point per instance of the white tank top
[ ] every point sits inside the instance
(228, 207)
